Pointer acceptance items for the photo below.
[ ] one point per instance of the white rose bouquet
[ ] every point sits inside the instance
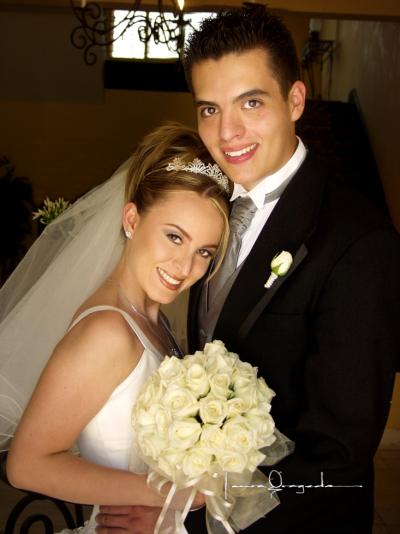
(204, 420)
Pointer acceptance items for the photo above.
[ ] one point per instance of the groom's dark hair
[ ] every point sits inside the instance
(240, 30)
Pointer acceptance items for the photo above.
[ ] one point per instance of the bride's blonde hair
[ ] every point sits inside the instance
(148, 180)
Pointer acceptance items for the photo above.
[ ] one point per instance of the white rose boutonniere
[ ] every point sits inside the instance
(280, 265)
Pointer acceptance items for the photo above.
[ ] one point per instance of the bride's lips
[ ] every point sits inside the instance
(168, 281)
(239, 154)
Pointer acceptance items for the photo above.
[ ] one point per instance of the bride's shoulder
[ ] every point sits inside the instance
(103, 323)
(102, 342)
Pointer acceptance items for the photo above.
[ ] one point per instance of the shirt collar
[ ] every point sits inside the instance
(273, 181)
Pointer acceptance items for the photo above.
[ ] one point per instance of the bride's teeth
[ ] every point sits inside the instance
(238, 153)
(168, 278)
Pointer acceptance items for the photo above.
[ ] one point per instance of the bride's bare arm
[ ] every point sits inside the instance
(86, 366)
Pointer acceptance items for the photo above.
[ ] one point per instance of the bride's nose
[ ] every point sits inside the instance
(183, 263)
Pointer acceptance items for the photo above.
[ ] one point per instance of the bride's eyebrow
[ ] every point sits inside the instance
(180, 229)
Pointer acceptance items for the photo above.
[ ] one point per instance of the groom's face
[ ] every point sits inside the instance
(243, 118)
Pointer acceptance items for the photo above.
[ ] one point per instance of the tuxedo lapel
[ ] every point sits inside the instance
(267, 297)
(288, 228)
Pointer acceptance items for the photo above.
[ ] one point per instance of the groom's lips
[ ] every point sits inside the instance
(239, 154)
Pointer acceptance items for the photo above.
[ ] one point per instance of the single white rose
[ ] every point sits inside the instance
(197, 380)
(196, 462)
(180, 401)
(152, 391)
(264, 426)
(254, 459)
(212, 438)
(143, 416)
(281, 263)
(212, 410)
(236, 406)
(264, 392)
(215, 347)
(244, 375)
(232, 461)
(239, 435)
(218, 359)
(248, 394)
(220, 385)
(197, 357)
(162, 419)
(150, 442)
(170, 462)
(184, 433)
(172, 371)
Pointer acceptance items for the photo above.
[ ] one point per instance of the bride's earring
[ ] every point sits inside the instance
(128, 234)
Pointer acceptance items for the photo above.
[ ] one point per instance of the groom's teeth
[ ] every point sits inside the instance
(168, 278)
(238, 153)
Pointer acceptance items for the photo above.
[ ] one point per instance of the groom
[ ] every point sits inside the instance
(325, 335)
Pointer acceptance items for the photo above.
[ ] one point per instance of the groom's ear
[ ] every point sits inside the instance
(130, 217)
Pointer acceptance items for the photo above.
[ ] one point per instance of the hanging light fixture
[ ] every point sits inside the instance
(98, 28)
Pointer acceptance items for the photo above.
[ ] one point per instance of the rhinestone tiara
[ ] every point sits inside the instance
(198, 167)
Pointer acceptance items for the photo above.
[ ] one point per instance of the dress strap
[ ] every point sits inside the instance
(135, 327)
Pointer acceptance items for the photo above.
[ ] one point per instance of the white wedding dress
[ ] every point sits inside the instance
(107, 438)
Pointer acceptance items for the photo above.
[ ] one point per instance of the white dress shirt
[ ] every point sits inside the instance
(257, 194)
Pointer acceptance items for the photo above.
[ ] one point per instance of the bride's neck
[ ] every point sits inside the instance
(133, 295)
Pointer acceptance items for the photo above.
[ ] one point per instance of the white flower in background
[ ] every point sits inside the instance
(50, 210)
(280, 265)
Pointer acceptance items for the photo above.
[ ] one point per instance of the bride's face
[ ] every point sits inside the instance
(172, 244)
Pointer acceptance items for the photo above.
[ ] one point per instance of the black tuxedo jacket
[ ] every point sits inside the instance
(326, 338)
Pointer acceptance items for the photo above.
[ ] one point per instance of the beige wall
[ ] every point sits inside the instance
(367, 58)
(65, 148)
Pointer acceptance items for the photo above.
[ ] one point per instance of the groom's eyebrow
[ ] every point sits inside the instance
(199, 103)
(246, 94)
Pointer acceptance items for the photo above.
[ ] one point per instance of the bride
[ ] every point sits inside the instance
(174, 222)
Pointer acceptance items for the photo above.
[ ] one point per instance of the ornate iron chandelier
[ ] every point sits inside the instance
(98, 28)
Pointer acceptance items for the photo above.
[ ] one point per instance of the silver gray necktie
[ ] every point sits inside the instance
(242, 213)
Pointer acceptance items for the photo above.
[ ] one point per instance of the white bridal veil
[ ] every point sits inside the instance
(70, 259)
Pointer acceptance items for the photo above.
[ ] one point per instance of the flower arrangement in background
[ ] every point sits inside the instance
(50, 210)
(202, 418)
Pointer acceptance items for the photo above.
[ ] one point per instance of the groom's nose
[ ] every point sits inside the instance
(230, 124)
